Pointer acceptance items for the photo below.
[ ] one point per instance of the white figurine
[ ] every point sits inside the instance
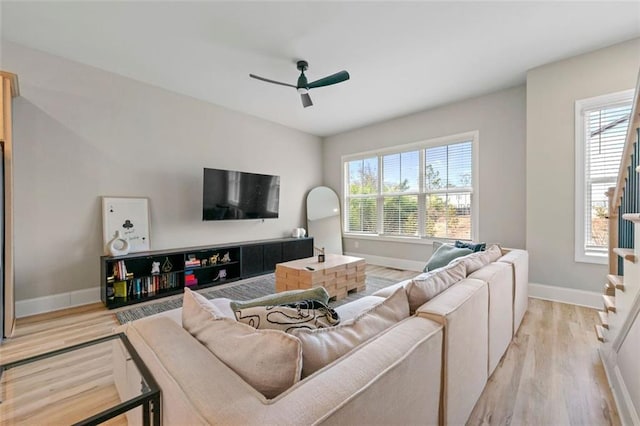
(155, 268)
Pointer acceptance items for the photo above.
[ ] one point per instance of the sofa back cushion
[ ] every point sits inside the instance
(475, 261)
(268, 360)
(426, 286)
(322, 346)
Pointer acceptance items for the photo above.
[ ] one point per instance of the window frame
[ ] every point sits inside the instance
(581, 254)
(421, 238)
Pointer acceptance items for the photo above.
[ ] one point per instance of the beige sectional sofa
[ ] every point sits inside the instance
(429, 368)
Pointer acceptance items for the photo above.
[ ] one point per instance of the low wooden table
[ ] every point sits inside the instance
(338, 274)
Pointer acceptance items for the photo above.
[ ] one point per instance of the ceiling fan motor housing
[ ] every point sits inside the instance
(302, 80)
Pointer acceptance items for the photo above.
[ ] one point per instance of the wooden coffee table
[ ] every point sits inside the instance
(338, 274)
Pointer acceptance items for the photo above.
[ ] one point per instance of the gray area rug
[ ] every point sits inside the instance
(240, 290)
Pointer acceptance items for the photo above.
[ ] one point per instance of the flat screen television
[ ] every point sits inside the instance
(235, 195)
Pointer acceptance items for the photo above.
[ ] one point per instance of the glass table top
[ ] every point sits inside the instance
(87, 383)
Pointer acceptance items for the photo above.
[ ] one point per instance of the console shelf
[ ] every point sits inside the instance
(128, 279)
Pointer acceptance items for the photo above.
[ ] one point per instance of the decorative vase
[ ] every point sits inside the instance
(118, 246)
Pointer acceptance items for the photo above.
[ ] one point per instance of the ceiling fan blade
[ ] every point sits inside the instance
(338, 77)
(271, 81)
(306, 100)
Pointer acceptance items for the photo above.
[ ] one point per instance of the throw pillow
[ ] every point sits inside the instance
(494, 252)
(268, 360)
(426, 286)
(308, 314)
(475, 247)
(290, 296)
(443, 255)
(322, 346)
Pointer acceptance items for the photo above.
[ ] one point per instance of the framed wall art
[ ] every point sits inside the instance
(129, 216)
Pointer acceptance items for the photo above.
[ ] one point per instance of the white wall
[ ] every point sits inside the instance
(500, 119)
(551, 93)
(81, 133)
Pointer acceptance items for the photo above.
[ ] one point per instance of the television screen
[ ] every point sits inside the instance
(234, 195)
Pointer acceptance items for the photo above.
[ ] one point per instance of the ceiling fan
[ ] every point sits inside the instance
(303, 86)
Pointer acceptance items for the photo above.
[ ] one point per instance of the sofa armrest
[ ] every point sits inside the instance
(519, 261)
(463, 310)
(499, 278)
(197, 388)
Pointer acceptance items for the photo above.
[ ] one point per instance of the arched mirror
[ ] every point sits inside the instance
(323, 219)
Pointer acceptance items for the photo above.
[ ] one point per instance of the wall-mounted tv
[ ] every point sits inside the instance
(235, 195)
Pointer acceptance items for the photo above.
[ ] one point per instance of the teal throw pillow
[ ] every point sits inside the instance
(475, 247)
(285, 297)
(445, 254)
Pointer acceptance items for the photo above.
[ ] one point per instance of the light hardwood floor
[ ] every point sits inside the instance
(550, 375)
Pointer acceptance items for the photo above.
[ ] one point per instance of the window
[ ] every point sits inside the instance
(601, 129)
(423, 190)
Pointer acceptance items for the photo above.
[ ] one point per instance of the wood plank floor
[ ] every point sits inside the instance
(550, 375)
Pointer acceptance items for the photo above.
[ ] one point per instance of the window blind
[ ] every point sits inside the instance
(605, 133)
(425, 191)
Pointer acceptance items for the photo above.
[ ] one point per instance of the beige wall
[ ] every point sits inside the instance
(551, 93)
(500, 119)
(81, 133)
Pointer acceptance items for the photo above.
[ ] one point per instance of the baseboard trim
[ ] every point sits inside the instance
(626, 410)
(390, 262)
(590, 299)
(40, 305)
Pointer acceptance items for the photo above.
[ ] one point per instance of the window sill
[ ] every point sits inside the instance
(597, 259)
(394, 239)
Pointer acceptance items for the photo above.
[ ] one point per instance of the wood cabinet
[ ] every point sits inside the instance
(8, 90)
(138, 277)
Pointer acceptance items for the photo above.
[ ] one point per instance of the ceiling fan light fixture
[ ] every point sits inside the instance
(303, 85)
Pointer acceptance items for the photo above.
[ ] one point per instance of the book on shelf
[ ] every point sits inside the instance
(120, 289)
(120, 271)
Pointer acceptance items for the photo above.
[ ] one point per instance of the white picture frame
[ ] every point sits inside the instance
(130, 216)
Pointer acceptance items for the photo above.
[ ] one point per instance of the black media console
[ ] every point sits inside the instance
(138, 277)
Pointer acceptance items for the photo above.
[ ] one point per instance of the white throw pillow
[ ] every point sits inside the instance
(305, 314)
(322, 346)
(269, 360)
(426, 286)
(494, 252)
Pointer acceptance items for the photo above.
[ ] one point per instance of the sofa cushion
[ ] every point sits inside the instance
(356, 307)
(322, 346)
(389, 290)
(307, 314)
(443, 255)
(284, 297)
(269, 360)
(475, 247)
(475, 261)
(426, 286)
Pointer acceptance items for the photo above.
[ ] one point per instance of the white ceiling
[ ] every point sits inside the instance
(403, 57)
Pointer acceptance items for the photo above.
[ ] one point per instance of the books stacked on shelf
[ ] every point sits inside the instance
(120, 270)
(135, 288)
(191, 262)
(190, 279)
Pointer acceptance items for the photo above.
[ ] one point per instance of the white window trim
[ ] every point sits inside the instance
(581, 255)
(473, 136)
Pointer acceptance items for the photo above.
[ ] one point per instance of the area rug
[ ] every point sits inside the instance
(240, 290)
